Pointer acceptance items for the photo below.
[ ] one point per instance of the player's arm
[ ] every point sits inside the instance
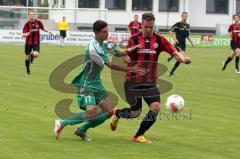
(25, 32)
(171, 32)
(190, 40)
(230, 29)
(124, 52)
(117, 67)
(181, 57)
(43, 28)
(169, 48)
(47, 31)
(130, 27)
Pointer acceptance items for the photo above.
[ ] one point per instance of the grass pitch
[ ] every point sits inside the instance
(209, 129)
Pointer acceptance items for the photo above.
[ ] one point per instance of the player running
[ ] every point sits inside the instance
(31, 31)
(138, 87)
(182, 30)
(234, 31)
(90, 89)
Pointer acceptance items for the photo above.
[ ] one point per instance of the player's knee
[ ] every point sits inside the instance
(155, 107)
(91, 113)
(35, 54)
(237, 52)
(135, 114)
(110, 113)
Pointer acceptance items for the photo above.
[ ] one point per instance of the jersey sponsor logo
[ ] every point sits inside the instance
(236, 31)
(146, 51)
(33, 30)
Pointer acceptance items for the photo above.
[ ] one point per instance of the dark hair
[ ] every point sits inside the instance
(30, 11)
(235, 15)
(184, 13)
(99, 25)
(148, 16)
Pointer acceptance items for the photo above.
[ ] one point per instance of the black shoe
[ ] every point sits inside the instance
(28, 70)
(82, 135)
(224, 66)
(28, 73)
(171, 74)
(169, 59)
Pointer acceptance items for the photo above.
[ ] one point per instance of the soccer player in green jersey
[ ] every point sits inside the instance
(90, 89)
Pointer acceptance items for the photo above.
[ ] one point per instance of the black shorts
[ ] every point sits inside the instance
(63, 33)
(30, 48)
(234, 45)
(180, 46)
(134, 94)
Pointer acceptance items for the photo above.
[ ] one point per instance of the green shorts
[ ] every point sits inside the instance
(88, 98)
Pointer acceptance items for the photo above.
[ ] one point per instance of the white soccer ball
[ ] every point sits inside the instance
(175, 103)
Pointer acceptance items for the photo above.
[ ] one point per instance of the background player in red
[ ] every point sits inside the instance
(143, 86)
(31, 31)
(234, 31)
(134, 26)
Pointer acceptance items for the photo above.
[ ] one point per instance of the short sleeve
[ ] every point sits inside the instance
(40, 25)
(130, 25)
(189, 29)
(98, 54)
(130, 43)
(25, 28)
(175, 27)
(167, 46)
(230, 29)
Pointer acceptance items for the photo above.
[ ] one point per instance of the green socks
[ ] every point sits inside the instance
(74, 119)
(93, 122)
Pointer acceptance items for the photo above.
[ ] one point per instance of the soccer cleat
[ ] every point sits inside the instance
(224, 66)
(114, 122)
(171, 74)
(170, 58)
(58, 128)
(28, 72)
(237, 71)
(82, 135)
(141, 139)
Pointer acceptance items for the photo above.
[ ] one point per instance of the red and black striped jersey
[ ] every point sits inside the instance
(134, 27)
(147, 57)
(34, 28)
(234, 29)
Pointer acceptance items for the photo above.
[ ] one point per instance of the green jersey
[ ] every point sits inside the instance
(95, 58)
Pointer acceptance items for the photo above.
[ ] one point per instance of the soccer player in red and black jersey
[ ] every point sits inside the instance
(31, 31)
(234, 31)
(143, 86)
(134, 26)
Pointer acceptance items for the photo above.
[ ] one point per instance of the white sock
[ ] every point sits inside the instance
(60, 42)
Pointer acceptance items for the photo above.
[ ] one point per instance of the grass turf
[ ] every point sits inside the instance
(27, 112)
